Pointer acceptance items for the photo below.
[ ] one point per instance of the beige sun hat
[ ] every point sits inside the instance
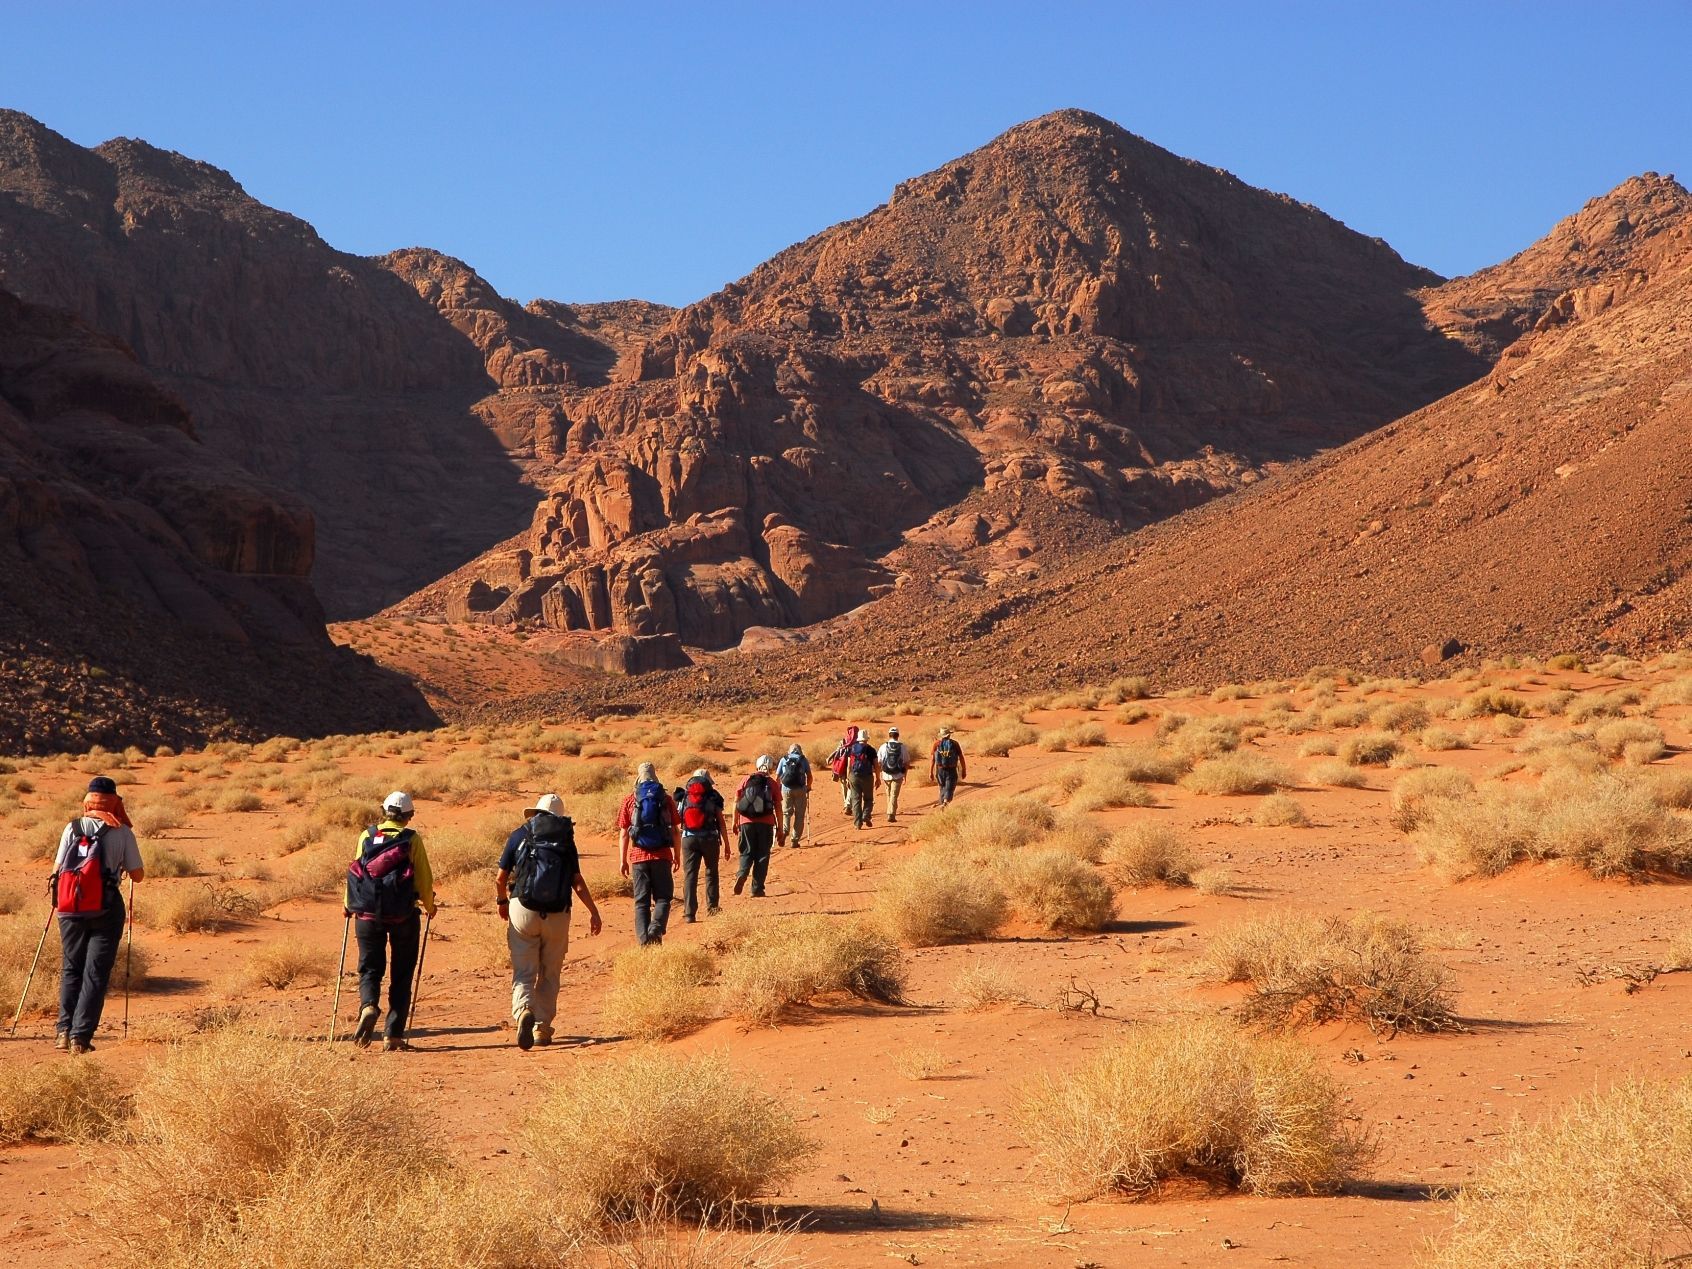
(547, 804)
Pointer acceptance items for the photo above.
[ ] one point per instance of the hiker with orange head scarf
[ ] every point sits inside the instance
(95, 851)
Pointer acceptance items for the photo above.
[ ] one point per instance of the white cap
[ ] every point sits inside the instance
(796, 750)
(397, 802)
(893, 731)
(547, 804)
(764, 763)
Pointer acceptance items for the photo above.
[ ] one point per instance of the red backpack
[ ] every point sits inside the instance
(80, 889)
(698, 816)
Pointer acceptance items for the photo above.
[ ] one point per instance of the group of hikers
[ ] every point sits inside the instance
(390, 892)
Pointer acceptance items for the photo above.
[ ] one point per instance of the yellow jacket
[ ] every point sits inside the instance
(420, 873)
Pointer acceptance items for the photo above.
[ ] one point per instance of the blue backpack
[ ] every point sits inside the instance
(650, 832)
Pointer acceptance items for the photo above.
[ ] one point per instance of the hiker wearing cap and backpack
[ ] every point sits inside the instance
(793, 773)
(648, 843)
(863, 777)
(894, 764)
(946, 765)
(757, 818)
(387, 883)
(837, 765)
(96, 850)
(539, 871)
(699, 807)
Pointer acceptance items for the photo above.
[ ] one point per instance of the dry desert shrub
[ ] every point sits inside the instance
(998, 738)
(1319, 747)
(203, 908)
(919, 1063)
(1054, 889)
(1401, 716)
(1672, 788)
(455, 853)
(1370, 749)
(1305, 971)
(704, 1139)
(1074, 736)
(1590, 705)
(284, 965)
(1192, 1099)
(1134, 687)
(340, 811)
(1231, 692)
(1107, 784)
(981, 829)
(937, 898)
(74, 1102)
(659, 992)
(1605, 1185)
(1336, 774)
(1609, 826)
(794, 960)
(1442, 739)
(1491, 701)
(1415, 791)
(608, 883)
(1079, 836)
(982, 984)
(1238, 773)
(1128, 715)
(1147, 764)
(12, 901)
(167, 861)
(1339, 717)
(237, 802)
(1195, 739)
(19, 937)
(1676, 691)
(1279, 810)
(1144, 854)
(1634, 738)
(159, 815)
(1213, 880)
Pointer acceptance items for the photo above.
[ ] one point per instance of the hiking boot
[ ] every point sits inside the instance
(890, 819)
(655, 940)
(689, 918)
(366, 1029)
(79, 1047)
(740, 883)
(526, 1030)
(393, 1044)
(716, 911)
(543, 1034)
(61, 1041)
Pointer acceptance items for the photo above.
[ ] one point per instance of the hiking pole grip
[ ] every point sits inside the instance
(128, 957)
(340, 974)
(30, 977)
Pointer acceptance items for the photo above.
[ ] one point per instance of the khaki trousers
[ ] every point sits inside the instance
(538, 941)
(893, 786)
(793, 804)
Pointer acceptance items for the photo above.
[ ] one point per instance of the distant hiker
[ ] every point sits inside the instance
(863, 777)
(894, 765)
(794, 774)
(95, 851)
(757, 818)
(946, 765)
(704, 833)
(539, 871)
(388, 881)
(837, 765)
(648, 843)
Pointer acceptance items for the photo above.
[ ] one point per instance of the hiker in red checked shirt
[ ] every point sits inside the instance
(648, 845)
(757, 817)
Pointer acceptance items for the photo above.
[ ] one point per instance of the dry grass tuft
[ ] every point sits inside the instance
(1635, 739)
(1195, 1099)
(938, 898)
(1370, 749)
(1442, 740)
(920, 1063)
(1415, 792)
(1238, 773)
(1279, 810)
(1074, 736)
(1106, 784)
(205, 907)
(284, 965)
(1604, 1184)
(659, 992)
(1609, 826)
(1079, 836)
(703, 1141)
(983, 984)
(794, 960)
(1147, 853)
(998, 738)
(66, 1101)
(1492, 700)
(1305, 971)
(1053, 888)
(980, 830)
(1336, 775)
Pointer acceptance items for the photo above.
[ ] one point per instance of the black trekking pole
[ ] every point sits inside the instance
(128, 957)
(340, 974)
(12, 1030)
(417, 982)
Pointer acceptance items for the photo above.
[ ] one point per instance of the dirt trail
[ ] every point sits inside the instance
(932, 1171)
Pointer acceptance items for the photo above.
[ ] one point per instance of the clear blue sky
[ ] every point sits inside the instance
(596, 151)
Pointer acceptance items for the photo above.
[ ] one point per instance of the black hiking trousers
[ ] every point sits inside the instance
(695, 851)
(375, 939)
(90, 947)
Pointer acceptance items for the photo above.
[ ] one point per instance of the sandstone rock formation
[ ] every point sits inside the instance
(149, 591)
(1069, 324)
